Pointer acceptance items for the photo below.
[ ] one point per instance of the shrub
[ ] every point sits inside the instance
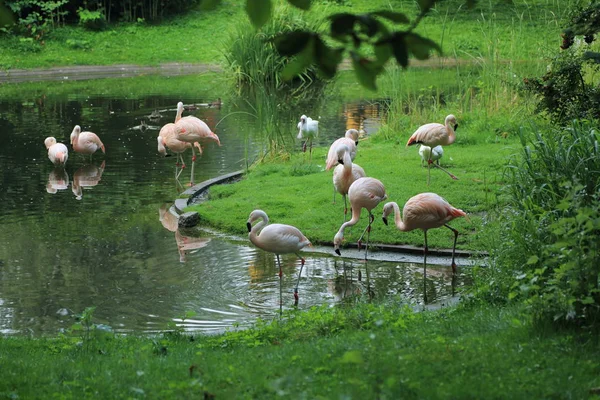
(92, 20)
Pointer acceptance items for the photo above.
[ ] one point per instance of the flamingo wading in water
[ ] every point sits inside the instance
(425, 211)
(191, 129)
(363, 193)
(435, 134)
(307, 128)
(277, 239)
(86, 142)
(345, 174)
(57, 152)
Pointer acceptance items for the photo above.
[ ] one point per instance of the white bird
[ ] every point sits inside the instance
(57, 152)
(350, 139)
(433, 135)
(277, 239)
(427, 154)
(363, 193)
(307, 128)
(425, 211)
(345, 174)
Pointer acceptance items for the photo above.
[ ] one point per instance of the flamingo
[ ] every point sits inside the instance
(350, 139)
(86, 142)
(345, 174)
(191, 129)
(57, 152)
(425, 211)
(309, 128)
(363, 193)
(427, 153)
(277, 239)
(58, 179)
(434, 134)
(167, 137)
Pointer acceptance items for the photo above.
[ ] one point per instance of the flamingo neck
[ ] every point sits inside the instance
(451, 134)
(398, 218)
(353, 220)
(179, 112)
(255, 231)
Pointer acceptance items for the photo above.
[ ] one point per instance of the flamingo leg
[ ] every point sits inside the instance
(298, 281)
(345, 208)
(425, 268)
(280, 290)
(429, 169)
(334, 195)
(453, 247)
(192, 174)
(368, 231)
(193, 154)
(446, 171)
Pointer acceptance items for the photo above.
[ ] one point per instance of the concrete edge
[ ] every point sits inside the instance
(197, 190)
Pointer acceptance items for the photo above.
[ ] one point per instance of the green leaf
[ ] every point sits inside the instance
(352, 357)
(425, 5)
(383, 52)
(396, 17)
(6, 17)
(291, 43)
(532, 260)
(259, 11)
(369, 25)
(420, 46)
(301, 4)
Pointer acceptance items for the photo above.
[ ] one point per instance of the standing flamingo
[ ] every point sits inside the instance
(191, 129)
(427, 154)
(86, 142)
(278, 239)
(433, 135)
(307, 128)
(345, 174)
(350, 139)
(57, 152)
(168, 138)
(425, 211)
(363, 193)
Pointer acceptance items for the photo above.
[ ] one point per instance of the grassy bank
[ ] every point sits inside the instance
(498, 30)
(368, 351)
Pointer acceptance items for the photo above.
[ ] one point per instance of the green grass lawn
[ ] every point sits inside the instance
(366, 351)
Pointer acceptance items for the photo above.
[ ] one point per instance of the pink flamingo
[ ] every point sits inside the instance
(86, 142)
(278, 239)
(363, 193)
(345, 174)
(168, 138)
(433, 135)
(350, 139)
(191, 129)
(425, 211)
(57, 152)
(309, 128)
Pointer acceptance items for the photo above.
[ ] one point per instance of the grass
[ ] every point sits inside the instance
(369, 351)
(494, 29)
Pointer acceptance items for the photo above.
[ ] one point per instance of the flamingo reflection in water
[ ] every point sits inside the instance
(185, 241)
(86, 177)
(58, 179)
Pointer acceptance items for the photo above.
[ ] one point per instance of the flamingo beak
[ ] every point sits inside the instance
(356, 143)
(341, 161)
(249, 226)
(337, 251)
(456, 127)
(384, 220)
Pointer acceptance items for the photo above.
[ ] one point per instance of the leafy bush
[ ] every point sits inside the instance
(92, 20)
(549, 249)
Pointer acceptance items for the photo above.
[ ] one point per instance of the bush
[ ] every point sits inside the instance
(549, 249)
(92, 20)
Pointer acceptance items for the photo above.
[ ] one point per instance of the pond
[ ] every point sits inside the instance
(100, 232)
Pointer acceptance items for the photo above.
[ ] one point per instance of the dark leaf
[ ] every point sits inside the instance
(301, 4)
(396, 17)
(471, 3)
(327, 59)
(369, 25)
(592, 55)
(342, 24)
(259, 11)
(399, 48)
(426, 4)
(209, 4)
(420, 46)
(366, 71)
(6, 17)
(299, 63)
(383, 51)
(291, 43)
